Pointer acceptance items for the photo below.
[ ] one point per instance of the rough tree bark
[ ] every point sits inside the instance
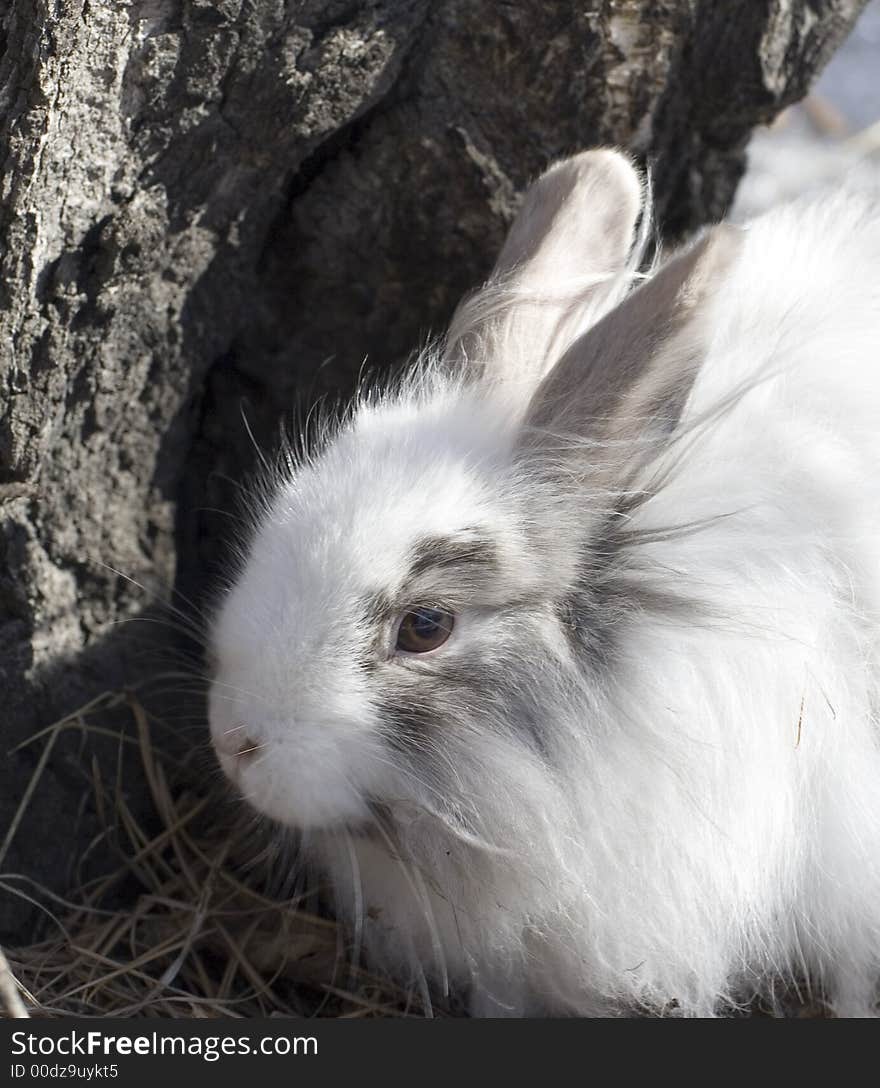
(212, 207)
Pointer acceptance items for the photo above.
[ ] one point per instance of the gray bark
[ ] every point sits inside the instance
(212, 209)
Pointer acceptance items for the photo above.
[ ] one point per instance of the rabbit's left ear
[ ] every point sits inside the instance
(564, 264)
(624, 383)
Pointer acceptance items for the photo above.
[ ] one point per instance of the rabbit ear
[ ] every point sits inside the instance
(624, 383)
(564, 264)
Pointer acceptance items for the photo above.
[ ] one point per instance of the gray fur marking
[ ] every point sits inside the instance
(449, 553)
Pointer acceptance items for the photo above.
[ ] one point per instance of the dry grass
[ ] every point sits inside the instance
(182, 925)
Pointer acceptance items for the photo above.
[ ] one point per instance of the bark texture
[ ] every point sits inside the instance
(212, 209)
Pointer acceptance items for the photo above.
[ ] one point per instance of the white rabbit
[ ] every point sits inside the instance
(562, 655)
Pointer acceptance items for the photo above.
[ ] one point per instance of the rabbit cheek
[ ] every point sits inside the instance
(410, 727)
(434, 719)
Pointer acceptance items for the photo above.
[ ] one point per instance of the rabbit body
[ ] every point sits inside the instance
(643, 772)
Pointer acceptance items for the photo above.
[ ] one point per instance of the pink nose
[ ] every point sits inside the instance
(238, 745)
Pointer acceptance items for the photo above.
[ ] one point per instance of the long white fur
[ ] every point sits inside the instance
(703, 822)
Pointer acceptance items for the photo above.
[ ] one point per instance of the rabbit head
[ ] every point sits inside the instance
(405, 607)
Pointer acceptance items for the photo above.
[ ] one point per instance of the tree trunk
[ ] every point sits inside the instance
(213, 210)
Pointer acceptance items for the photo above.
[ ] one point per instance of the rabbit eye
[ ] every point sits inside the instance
(424, 629)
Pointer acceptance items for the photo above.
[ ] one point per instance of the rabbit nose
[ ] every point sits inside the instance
(247, 749)
(239, 744)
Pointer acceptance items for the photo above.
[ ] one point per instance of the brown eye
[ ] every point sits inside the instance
(424, 629)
